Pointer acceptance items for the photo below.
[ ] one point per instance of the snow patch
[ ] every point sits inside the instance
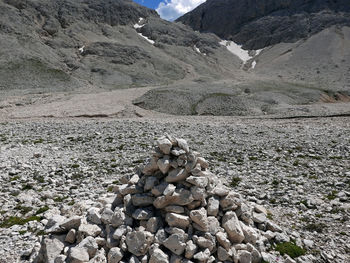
(253, 64)
(81, 49)
(140, 24)
(237, 50)
(149, 40)
(198, 50)
(257, 52)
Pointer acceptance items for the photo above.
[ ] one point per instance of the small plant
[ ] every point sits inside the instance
(110, 188)
(75, 165)
(16, 177)
(304, 202)
(332, 195)
(38, 141)
(291, 249)
(40, 233)
(121, 147)
(275, 182)
(23, 209)
(59, 199)
(269, 215)
(273, 201)
(42, 210)
(27, 187)
(235, 181)
(39, 179)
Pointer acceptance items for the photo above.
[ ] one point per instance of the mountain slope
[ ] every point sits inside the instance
(305, 42)
(259, 23)
(69, 45)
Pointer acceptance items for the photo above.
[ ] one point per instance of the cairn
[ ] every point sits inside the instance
(173, 210)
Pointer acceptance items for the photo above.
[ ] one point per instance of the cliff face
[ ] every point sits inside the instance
(260, 23)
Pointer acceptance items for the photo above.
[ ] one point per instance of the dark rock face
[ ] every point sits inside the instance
(260, 23)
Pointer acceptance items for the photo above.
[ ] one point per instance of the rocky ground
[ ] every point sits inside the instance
(299, 169)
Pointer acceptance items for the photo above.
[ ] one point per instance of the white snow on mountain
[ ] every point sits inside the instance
(139, 24)
(198, 50)
(253, 64)
(237, 50)
(149, 40)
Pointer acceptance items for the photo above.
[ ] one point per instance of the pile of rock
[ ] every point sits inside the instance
(173, 210)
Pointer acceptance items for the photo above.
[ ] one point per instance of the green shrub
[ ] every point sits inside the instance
(291, 249)
(235, 181)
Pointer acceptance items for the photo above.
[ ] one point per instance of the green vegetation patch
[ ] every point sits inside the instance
(291, 249)
(14, 220)
(42, 210)
(75, 165)
(235, 181)
(59, 199)
(27, 187)
(332, 195)
(24, 209)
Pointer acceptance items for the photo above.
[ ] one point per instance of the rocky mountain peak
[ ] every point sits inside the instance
(257, 24)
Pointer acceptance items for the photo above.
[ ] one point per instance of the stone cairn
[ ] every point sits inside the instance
(173, 210)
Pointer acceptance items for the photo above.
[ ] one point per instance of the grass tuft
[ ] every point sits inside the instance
(14, 220)
(291, 249)
(235, 181)
(42, 210)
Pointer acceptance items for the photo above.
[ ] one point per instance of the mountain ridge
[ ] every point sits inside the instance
(258, 24)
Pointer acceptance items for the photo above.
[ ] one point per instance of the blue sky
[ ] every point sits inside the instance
(149, 3)
(171, 9)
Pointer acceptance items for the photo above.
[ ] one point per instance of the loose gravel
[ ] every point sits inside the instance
(299, 169)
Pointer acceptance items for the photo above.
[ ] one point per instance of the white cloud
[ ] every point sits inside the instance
(172, 9)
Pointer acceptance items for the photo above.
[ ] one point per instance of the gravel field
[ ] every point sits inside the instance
(298, 168)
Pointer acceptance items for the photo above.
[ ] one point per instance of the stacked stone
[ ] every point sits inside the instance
(173, 210)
